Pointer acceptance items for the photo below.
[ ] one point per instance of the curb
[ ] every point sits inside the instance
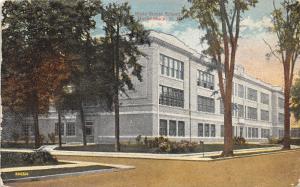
(47, 177)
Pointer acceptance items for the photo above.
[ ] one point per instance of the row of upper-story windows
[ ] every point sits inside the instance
(171, 67)
(175, 68)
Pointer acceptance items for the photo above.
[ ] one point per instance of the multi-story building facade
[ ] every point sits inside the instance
(179, 98)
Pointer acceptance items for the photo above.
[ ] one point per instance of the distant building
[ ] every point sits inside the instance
(178, 98)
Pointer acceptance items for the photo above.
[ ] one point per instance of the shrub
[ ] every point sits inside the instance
(274, 140)
(177, 147)
(38, 157)
(15, 136)
(239, 140)
(51, 137)
(146, 141)
(138, 139)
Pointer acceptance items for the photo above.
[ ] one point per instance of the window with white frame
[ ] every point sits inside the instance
(265, 133)
(252, 113)
(206, 130)
(205, 79)
(27, 128)
(264, 115)
(172, 128)
(62, 129)
(252, 94)
(171, 67)
(241, 91)
(264, 98)
(171, 96)
(241, 131)
(213, 130)
(181, 128)
(200, 129)
(280, 102)
(240, 111)
(206, 104)
(280, 117)
(163, 127)
(89, 128)
(70, 131)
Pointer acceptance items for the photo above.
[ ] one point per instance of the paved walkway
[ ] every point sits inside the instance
(272, 170)
(188, 157)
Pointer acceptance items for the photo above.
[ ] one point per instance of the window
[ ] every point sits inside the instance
(27, 129)
(241, 91)
(249, 132)
(62, 129)
(90, 101)
(89, 128)
(264, 115)
(171, 67)
(222, 131)
(241, 131)
(70, 129)
(206, 104)
(163, 127)
(252, 94)
(200, 129)
(280, 102)
(221, 107)
(280, 118)
(240, 111)
(264, 98)
(206, 130)
(205, 80)
(172, 128)
(171, 96)
(265, 133)
(252, 113)
(181, 128)
(252, 132)
(213, 130)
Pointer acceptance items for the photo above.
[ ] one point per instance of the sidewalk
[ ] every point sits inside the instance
(187, 157)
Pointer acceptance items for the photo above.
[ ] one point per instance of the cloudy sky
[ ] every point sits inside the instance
(161, 15)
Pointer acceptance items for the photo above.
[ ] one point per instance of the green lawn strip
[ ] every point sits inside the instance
(47, 172)
(15, 159)
(251, 153)
(140, 148)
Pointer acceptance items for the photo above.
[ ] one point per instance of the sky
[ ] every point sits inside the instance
(161, 15)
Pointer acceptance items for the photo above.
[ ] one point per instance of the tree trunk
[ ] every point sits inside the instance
(82, 117)
(116, 93)
(228, 142)
(286, 139)
(59, 128)
(117, 121)
(37, 142)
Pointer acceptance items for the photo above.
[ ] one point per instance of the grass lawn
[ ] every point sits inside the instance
(35, 173)
(134, 148)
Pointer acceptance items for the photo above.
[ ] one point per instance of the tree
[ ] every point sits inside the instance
(39, 39)
(122, 35)
(286, 27)
(295, 93)
(220, 19)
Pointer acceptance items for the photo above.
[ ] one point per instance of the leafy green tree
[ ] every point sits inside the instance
(295, 93)
(220, 19)
(122, 35)
(286, 27)
(39, 40)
